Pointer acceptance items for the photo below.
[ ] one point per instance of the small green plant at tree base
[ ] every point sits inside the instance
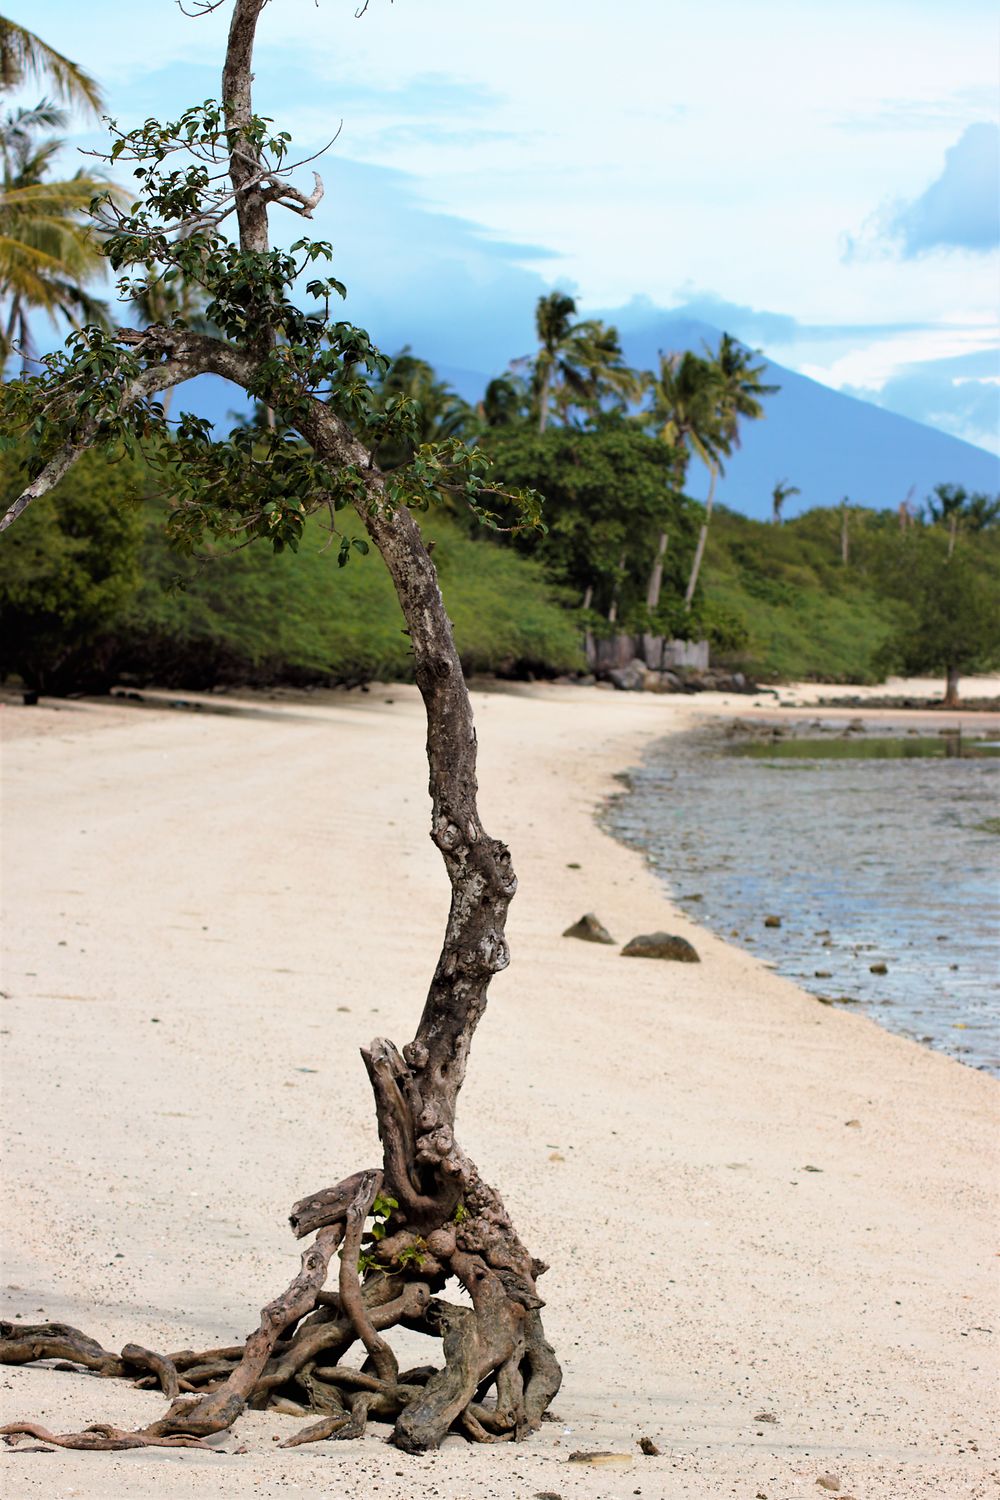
(382, 1210)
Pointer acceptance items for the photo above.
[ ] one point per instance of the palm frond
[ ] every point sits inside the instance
(24, 55)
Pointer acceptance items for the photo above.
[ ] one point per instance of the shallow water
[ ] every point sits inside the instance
(886, 858)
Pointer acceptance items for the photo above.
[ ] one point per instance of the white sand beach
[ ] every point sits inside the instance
(771, 1225)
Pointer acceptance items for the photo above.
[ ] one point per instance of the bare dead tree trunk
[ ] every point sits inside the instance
(441, 1219)
(845, 541)
(656, 574)
(952, 532)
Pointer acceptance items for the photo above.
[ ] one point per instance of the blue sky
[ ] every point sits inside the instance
(817, 176)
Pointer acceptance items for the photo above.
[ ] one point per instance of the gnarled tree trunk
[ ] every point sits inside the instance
(435, 1219)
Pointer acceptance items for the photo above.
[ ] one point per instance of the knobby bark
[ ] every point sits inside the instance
(498, 1374)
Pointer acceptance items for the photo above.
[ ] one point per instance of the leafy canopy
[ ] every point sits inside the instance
(103, 387)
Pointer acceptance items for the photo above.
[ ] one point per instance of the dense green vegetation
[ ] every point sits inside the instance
(89, 590)
(803, 613)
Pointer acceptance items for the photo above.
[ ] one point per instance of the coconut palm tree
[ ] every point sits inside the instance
(577, 363)
(740, 388)
(687, 410)
(506, 401)
(48, 252)
(742, 385)
(782, 491)
(24, 55)
(441, 411)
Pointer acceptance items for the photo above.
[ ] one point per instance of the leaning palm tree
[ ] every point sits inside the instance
(577, 363)
(687, 410)
(740, 388)
(48, 252)
(782, 491)
(24, 55)
(742, 385)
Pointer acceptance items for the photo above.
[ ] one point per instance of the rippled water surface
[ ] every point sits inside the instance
(889, 858)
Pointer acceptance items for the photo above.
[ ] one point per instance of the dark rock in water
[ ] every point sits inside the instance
(877, 969)
(589, 929)
(772, 921)
(661, 945)
(822, 974)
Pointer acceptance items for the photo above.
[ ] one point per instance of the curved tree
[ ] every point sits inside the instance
(423, 1216)
(577, 363)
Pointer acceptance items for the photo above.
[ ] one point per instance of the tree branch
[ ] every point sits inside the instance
(156, 377)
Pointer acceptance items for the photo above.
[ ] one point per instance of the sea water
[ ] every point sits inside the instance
(871, 852)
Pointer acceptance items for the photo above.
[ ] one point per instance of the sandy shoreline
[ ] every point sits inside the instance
(200, 910)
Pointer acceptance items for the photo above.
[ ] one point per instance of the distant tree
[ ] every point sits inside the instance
(845, 532)
(684, 413)
(782, 491)
(49, 253)
(506, 401)
(577, 364)
(951, 506)
(68, 579)
(609, 495)
(741, 388)
(24, 55)
(951, 611)
(435, 412)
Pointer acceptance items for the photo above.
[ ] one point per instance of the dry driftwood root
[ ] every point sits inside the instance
(498, 1373)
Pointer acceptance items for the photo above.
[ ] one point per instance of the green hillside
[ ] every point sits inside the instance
(803, 613)
(89, 591)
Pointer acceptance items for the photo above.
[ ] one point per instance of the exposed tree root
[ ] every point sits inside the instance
(498, 1374)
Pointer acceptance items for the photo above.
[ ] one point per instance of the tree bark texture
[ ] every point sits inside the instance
(498, 1373)
(656, 574)
(699, 552)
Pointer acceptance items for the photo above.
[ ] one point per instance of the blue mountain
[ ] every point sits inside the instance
(828, 444)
